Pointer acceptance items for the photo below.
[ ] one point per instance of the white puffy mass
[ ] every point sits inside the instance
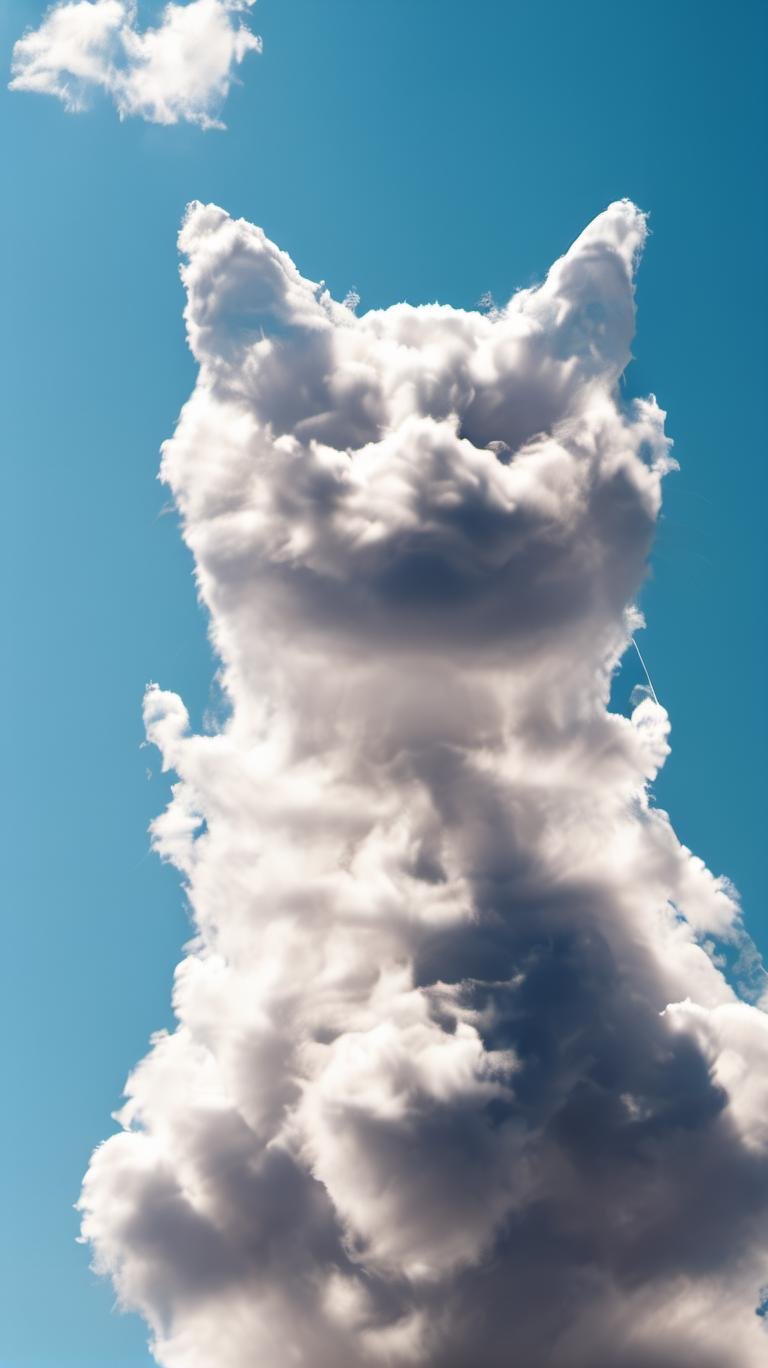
(458, 1076)
(180, 71)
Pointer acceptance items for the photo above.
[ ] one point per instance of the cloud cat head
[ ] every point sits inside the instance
(429, 476)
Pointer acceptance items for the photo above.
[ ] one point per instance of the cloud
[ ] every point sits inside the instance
(457, 1074)
(180, 71)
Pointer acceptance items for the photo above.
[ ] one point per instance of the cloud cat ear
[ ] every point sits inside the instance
(241, 288)
(588, 296)
(264, 335)
(556, 341)
(551, 341)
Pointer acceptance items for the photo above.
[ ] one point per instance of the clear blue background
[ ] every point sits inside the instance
(409, 148)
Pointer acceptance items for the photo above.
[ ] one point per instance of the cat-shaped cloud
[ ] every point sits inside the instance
(458, 1078)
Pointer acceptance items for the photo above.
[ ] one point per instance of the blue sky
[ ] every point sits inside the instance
(409, 149)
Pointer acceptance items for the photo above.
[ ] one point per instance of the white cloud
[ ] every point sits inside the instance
(456, 1074)
(180, 71)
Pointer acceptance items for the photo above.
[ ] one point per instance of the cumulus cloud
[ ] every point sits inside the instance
(457, 1076)
(180, 71)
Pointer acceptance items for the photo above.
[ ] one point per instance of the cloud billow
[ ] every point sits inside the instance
(457, 1077)
(179, 71)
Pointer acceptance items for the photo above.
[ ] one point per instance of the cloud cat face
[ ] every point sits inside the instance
(428, 475)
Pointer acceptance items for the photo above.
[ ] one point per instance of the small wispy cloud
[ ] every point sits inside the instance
(180, 71)
(458, 1077)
